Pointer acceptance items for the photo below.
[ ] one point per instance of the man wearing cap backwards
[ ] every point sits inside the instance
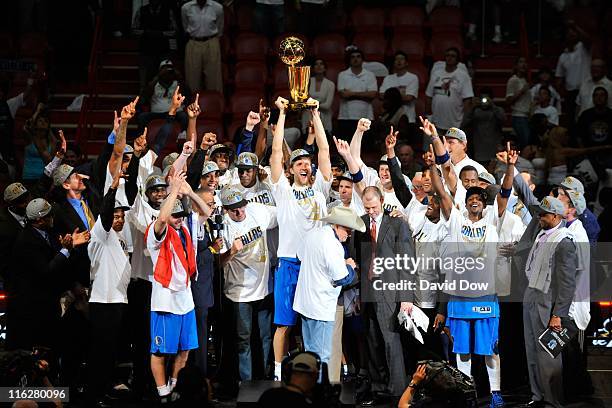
(246, 262)
(110, 274)
(473, 315)
(300, 208)
(37, 277)
(551, 273)
(323, 272)
(173, 322)
(12, 221)
(380, 179)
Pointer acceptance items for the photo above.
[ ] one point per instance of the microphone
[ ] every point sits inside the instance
(217, 226)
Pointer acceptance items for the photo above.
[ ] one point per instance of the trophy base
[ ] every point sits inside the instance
(298, 106)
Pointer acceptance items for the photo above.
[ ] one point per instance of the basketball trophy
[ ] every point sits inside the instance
(291, 52)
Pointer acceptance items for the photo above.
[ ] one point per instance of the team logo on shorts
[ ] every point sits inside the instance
(159, 340)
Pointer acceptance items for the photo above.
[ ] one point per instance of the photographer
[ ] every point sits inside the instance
(484, 123)
(417, 378)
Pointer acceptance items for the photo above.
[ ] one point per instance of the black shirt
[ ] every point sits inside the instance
(595, 127)
(282, 398)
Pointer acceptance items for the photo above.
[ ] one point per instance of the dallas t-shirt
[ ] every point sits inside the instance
(448, 90)
(427, 237)
(247, 273)
(138, 219)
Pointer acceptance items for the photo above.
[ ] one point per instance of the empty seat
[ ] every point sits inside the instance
(242, 102)
(280, 77)
(244, 17)
(251, 47)
(373, 45)
(333, 69)
(440, 42)
(412, 44)
(330, 47)
(406, 19)
(366, 19)
(421, 72)
(32, 45)
(444, 19)
(211, 104)
(213, 126)
(250, 75)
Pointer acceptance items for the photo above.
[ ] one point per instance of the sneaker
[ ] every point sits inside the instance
(496, 400)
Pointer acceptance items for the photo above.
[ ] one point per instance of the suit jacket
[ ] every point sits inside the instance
(394, 238)
(202, 284)
(9, 229)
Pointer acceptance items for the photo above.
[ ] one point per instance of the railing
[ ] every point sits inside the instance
(92, 75)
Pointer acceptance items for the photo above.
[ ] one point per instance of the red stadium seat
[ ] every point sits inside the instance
(213, 126)
(244, 17)
(412, 44)
(406, 19)
(6, 39)
(233, 127)
(211, 103)
(280, 76)
(441, 41)
(32, 45)
(366, 19)
(373, 46)
(251, 47)
(330, 47)
(242, 102)
(171, 144)
(420, 71)
(333, 69)
(250, 75)
(445, 19)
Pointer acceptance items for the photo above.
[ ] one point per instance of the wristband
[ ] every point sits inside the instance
(212, 250)
(357, 177)
(505, 193)
(442, 159)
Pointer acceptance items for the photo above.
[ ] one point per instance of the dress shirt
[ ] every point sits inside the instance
(20, 219)
(200, 22)
(76, 204)
(45, 236)
(378, 222)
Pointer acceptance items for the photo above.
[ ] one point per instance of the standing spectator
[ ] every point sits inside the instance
(449, 93)
(574, 65)
(405, 154)
(395, 114)
(110, 273)
(519, 99)
(321, 89)
(544, 78)
(246, 263)
(585, 99)
(203, 23)
(8, 109)
(485, 120)
(544, 107)
(155, 24)
(476, 10)
(313, 17)
(12, 221)
(41, 145)
(269, 17)
(36, 282)
(406, 82)
(357, 88)
(595, 126)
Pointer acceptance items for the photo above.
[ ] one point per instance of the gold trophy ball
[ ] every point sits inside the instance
(291, 51)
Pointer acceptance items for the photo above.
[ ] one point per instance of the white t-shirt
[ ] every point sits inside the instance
(322, 257)
(164, 299)
(580, 309)
(356, 109)
(299, 211)
(355, 204)
(460, 191)
(415, 212)
(162, 98)
(229, 178)
(510, 229)
(390, 200)
(574, 66)
(138, 219)
(247, 273)
(427, 237)
(521, 106)
(410, 82)
(110, 265)
(448, 90)
(550, 112)
(555, 98)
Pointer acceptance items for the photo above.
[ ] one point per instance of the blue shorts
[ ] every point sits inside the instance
(285, 281)
(171, 332)
(478, 336)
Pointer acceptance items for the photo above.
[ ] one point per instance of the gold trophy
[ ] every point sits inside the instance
(291, 52)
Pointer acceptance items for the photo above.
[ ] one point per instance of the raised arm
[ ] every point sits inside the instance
(205, 210)
(276, 158)
(324, 161)
(127, 113)
(108, 204)
(166, 208)
(344, 150)
(446, 201)
(181, 162)
(362, 126)
(441, 154)
(262, 133)
(246, 142)
(193, 111)
(402, 192)
(506, 188)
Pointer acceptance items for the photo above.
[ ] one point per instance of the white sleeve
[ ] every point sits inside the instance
(466, 88)
(228, 239)
(152, 241)
(321, 185)
(15, 103)
(341, 82)
(336, 266)
(145, 168)
(99, 232)
(281, 189)
(413, 86)
(385, 85)
(430, 87)
(560, 70)
(370, 176)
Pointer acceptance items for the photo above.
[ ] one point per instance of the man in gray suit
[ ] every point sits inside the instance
(550, 268)
(385, 238)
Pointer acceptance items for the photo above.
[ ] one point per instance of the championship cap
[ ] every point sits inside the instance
(232, 198)
(155, 181)
(170, 159)
(456, 133)
(61, 174)
(247, 160)
(14, 191)
(209, 167)
(38, 208)
(572, 183)
(298, 154)
(552, 205)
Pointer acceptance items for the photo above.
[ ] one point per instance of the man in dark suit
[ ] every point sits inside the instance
(12, 221)
(37, 278)
(385, 238)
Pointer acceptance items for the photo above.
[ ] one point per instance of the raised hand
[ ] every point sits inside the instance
(188, 148)
(129, 110)
(66, 241)
(208, 140)
(185, 189)
(63, 146)
(343, 148)
(428, 128)
(364, 125)
(80, 238)
(511, 155)
(176, 180)
(193, 110)
(502, 156)
(281, 103)
(262, 174)
(314, 102)
(252, 120)
(177, 101)
(391, 139)
(116, 123)
(140, 143)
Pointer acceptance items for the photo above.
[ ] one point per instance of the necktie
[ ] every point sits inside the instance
(373, 247)
(539, 240)
(88, 214)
